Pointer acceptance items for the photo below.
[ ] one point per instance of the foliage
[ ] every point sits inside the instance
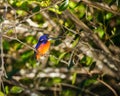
(84, 56)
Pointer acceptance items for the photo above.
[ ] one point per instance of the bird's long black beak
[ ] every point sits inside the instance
(57, 38)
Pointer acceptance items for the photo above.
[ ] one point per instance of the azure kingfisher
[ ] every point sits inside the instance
(42, 47)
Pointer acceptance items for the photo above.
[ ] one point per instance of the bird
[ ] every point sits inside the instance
(42, 47)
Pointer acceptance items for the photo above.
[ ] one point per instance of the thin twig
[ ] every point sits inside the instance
(78, 88)
(108, 86)
(13, 38)
(70, 29)
(60, 60)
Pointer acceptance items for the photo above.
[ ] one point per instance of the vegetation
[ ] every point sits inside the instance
(84, 58)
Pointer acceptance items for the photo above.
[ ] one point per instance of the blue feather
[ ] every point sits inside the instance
(42, 40)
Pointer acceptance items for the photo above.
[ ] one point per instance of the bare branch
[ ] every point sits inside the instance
(108, 86)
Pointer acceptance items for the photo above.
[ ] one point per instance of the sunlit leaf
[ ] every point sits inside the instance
(18, 3)
(55, 9)
(44, 3)
(75, 42)
(53, 59)
(61, 56)
(21, 12)
(108, 16)
(81, 11)
(89, 16)
(74, 78)
(38, 18)
(2, 94)
(17, 46)
(56, 80)
(30, 39)
(6, 90)
(89, 61)
(86, 60)
(100, 32)
(16, 89)
(10, 32)
(72, 4)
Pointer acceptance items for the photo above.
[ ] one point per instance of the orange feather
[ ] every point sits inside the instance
(42, 50)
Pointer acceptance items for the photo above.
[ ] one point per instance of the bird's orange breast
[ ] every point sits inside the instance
(42, 50)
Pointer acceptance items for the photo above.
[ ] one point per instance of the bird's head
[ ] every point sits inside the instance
(42, 40)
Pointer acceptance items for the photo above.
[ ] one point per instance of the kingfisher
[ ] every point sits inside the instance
(42, 47)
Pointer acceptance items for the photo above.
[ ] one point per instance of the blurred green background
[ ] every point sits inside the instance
(73, 65)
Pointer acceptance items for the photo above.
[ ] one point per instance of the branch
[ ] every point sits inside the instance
(2, 68)
(97, 41)
(13, 38)
(108, 86)
(78, 88)
(100, 6)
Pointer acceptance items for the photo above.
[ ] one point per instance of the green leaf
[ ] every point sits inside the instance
(21, 12)
(89, 61)
(17, 46)
(44, 3)
(52, 59)
(6, 45)
(76, 41)
(72, 4)
(64, 5)
(30, 39)
(6, 90)
(82, 10)
(61, 56)
(26, 55)
(24, 6)
(16, 90)
(56, 80)
(74, 78)
(36, 9)
(86, 60)
(1, 94)
(68, 92)
(55, 9)
(100, 32)
(83, 60)
(88, 82)
(108, 16)
(89, 16)
(92, 66)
